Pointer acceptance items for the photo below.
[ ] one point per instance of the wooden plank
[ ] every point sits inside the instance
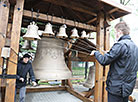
(2, 89)
(44, 89)
(15, 36)
(70, 68)
(117, 5)
(73, 5)
(113, 10)
(110, 12)
(106, 69)
(79, 95)
(99, 68)
(12, 2)
(92, 20)
(4, 16)
(43, 17)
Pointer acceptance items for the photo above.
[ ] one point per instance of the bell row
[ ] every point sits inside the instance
(33, 34)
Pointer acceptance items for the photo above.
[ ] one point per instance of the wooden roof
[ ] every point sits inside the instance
(84, 11)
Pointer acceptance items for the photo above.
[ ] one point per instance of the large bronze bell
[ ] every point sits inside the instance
(32, 32)
(49, 62)
(90, 82)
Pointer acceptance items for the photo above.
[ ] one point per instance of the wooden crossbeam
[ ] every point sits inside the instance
(73, 5)
(84, 58)
(44, 89)
(43, 17)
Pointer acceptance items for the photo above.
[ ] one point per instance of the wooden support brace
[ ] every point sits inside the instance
(79, 95)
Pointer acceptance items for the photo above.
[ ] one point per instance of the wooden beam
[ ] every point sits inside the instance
(70, 68)
(110, 12)
(117, 5)
(15, 37)
(43, 17)
(2, 89)
(79, 95)
(84, 58)
(106, 68)
(99, 68)
(92, 20)
(4, 16)
(44, 89)
(73, 5)
(12, 2)
(113, 10)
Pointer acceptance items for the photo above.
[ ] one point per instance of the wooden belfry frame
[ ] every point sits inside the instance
(11, 13)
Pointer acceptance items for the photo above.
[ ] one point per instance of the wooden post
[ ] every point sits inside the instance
(106, 69)
(15, 37)
(70, 68)
(99, 68)
(4, 15)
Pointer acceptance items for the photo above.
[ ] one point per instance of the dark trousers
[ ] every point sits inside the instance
(115, 98)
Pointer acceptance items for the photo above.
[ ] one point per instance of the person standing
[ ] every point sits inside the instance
(123, 60)
(23, 68)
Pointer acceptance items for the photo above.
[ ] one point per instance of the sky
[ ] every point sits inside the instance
(131, 20)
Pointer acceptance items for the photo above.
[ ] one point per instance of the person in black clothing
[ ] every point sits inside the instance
(23, 68)
(123, 60)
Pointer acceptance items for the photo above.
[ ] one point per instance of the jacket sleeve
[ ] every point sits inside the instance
(109, 57)
(31, 73)
(17, 75)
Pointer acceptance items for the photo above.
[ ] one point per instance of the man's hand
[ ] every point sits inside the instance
(92, 53)
(34, 83)
(21, 79)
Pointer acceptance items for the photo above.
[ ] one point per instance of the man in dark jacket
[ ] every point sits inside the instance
(23, 68)
(123, 60)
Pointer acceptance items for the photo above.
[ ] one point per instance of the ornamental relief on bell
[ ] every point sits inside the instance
(51, 52)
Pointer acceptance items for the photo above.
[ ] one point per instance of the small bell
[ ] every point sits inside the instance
(91, 35)
(83, 34)
(32, 32)
(74, 33)
(62, 32)
(48, 30)
(26, 45)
